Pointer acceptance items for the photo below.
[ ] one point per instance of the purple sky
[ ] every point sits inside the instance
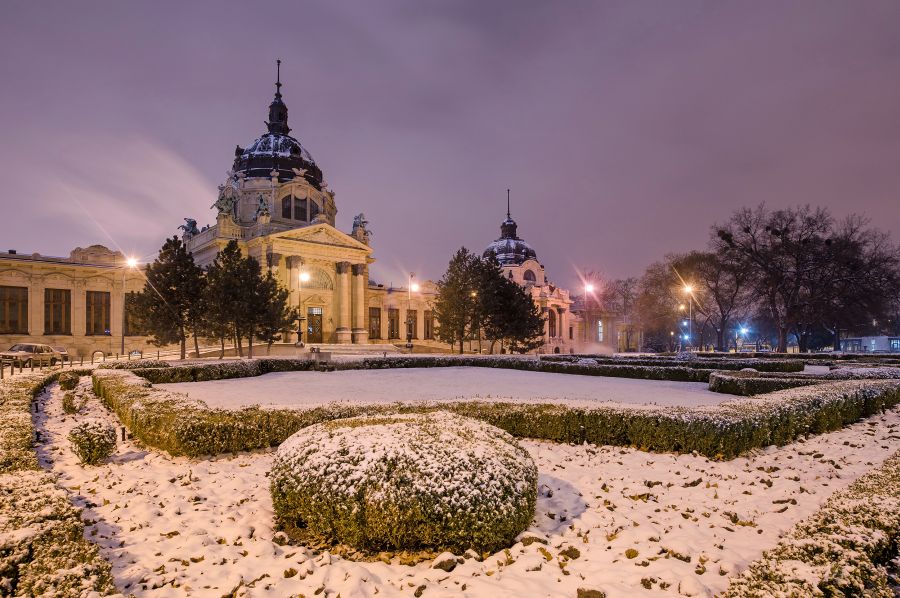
(624, 129)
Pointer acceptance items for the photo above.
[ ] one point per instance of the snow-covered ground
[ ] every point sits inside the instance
(176, 527)
(289, 389)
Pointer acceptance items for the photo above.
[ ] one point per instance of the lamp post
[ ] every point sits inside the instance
(588, 288)
(130, 264)
(411, 287)
(689, 290)
(301, 278)
(474, 295)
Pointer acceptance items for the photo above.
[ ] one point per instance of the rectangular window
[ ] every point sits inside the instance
(299, 209)
(375, 322)
(895, 345)
(133, 326)
(57, 311)
(571, 333)
(412, 323)
(286, 207)
(13, 310)
(429, 325)
(393, 323)
(96, 313)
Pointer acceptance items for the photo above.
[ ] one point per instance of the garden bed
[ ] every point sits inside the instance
(175, 423)
(42, 546)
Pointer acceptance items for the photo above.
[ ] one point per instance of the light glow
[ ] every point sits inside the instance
(744, 330)
(414, 287)
(589, 288)
(304, 277)
(688, 289)
(131, 262)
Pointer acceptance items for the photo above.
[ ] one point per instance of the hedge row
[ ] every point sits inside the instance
(840, 550)
(256, 367)
(43, 551)
(753, 383)
(175, 423)
(761, 365)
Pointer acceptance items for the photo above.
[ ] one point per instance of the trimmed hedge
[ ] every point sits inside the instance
(433, 481)
(761, 365)
(753, 383)
(43, 551)
(179, 425)
(840, 550)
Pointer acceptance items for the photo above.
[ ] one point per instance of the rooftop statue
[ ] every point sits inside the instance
(189, 228)
(262, 207)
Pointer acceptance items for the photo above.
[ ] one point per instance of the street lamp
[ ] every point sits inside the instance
(689, 290)
(411, 287)
(130, 263)
(588, 288)
(302, 277)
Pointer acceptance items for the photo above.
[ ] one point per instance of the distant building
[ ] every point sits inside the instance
(871, 344)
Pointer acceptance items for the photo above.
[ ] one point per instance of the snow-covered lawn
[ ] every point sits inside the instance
(287, 389)
(173, 527)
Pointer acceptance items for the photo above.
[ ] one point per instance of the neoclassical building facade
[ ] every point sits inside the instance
(277, 205)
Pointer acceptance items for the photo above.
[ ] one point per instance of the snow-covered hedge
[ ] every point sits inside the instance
(753, 383)
(134, 364)
(92, 441)
(43, 551)
(223, 370)
(182, 426)
(68, 380)
(841, 550)
(413, 481)
(709, 363)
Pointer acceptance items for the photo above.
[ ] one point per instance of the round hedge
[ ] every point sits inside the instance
(92, 441)
(405, 482)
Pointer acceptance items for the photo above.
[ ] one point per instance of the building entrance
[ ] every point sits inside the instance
(314, 325)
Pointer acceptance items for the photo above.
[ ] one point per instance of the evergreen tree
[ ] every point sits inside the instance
(222, 295)
(507, 313)
(456, 301)
(169, 306)
(275, 315)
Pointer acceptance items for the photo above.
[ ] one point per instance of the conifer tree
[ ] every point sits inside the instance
(456, 301)
(169, 306)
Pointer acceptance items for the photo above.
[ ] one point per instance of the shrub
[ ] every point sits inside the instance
(134, 364)
(92, 441)
(68, 380)
(416, 481)
(838, 551)
(68, 403)
(750, 383)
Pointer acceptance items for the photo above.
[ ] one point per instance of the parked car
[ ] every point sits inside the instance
(27, 354)
(63, 354)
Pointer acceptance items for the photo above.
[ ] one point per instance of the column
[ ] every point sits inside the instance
(360, 328)
(342, 295)
(35, 324)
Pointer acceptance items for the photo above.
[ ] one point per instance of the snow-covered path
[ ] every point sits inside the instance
(177, 527)
(291, 389)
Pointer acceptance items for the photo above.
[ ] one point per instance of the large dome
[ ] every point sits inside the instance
(276, 149)
(509, 249)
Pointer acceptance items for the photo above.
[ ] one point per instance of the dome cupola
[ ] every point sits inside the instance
(509, 249)
(276, 150)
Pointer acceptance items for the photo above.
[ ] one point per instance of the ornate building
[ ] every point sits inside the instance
(519, 262)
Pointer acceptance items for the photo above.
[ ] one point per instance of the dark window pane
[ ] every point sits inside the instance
(57, 311)
(286, 207)
(375, 322)
(13, 310)
(300, 209)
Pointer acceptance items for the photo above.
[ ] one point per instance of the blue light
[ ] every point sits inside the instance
(685, 337)
(684, 322)
(744, 330)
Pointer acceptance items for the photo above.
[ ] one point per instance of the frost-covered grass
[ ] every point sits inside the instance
(175, 423)
(43, 551)
(433, 481)
(842, 550)
(175, 526)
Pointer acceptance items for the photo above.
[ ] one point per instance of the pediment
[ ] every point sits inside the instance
(323, 234)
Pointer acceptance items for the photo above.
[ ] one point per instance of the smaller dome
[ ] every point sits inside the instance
(509, 249)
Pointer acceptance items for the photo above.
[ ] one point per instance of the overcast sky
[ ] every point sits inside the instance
(624, 129)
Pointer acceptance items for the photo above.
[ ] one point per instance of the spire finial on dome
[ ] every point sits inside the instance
(507, 204)
(278, 78)
(278, 112)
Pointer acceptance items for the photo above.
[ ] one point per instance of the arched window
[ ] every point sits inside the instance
(552, 322)
(313, 210)
(599, 331)
(300, 209)
(286, 206)
(529, 276)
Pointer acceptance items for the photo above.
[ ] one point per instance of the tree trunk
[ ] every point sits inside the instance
(183, 344)
(720, 340)
(782, 339)
(250, 344)
(240, 347)
(222, 348)
(196, 345)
